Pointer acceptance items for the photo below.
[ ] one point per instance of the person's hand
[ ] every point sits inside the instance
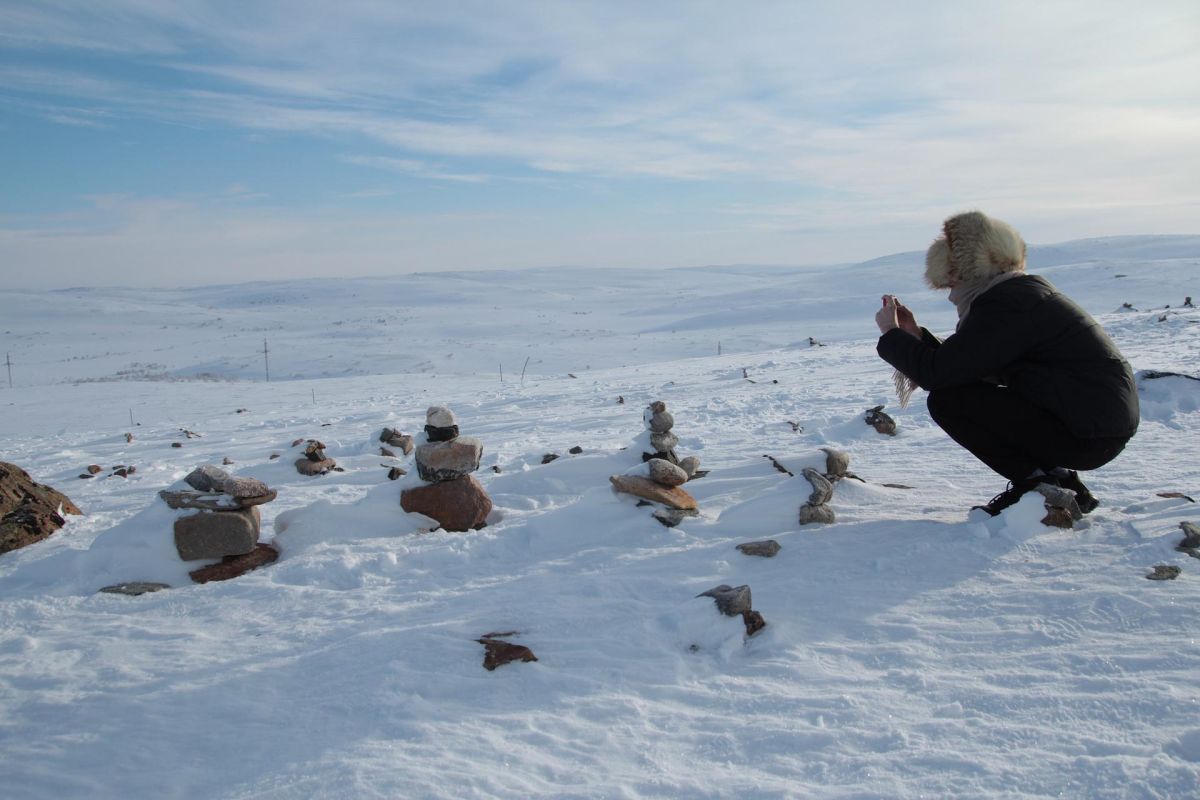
(885, 317)
(906, 321)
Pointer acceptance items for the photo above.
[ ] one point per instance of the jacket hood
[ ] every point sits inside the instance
(973, 248)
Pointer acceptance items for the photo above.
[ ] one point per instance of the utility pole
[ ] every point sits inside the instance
(8, 363)
(266, 361)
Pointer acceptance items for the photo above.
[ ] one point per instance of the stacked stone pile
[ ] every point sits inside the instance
(662, 473)
(227, 521)
(397, 439)
(835, 466)
(314, 461)
(445, 461)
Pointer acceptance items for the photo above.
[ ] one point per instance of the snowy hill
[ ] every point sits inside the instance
(909, 651)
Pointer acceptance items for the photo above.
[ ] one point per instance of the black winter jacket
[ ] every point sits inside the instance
(1025, 334)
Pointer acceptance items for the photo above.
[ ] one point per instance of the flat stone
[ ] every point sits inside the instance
(666, 473)
(497, 653)
(548, 457)
(1164, 572)
(245, 487)
(670, 496)
(207, 501)
(731, 600)
(95, 469)
(1058, 497)
(208, 534)
(397, 439)
(576, 450)
(307, 467)
(236, 566)
(822, 489)
(816, 515)
(767, 548)
(672, 517)
(457, 505)
(444, 461)
(135, 588)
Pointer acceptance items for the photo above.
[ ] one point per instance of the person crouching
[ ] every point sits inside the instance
(1029, 383)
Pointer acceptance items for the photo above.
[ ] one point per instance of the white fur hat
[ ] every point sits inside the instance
(973, 247)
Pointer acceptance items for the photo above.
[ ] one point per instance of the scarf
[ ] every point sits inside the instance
(962, 296)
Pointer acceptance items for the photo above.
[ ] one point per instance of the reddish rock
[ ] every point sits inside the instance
(497, 653)
(671, 496)
(95, 468)
(28, 510)
(235, 566)
(16, 486)
(457, 505)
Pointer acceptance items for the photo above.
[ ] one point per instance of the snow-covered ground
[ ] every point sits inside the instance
(909, 651)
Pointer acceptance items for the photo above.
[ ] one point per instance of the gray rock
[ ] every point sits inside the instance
(690, 465)
(1058, 497)
(1164, 572)
(662, 442)
(245, 487)
(731, 600)
(207, 478)
(880, 421)
(439, 417)
(836, 462)
(216, 534)
(397, 439)
(666, 473)
(207, 501)
(658, 421)
(444, 461)
(135, 588)
(671, 517)
(816, 515)
(822, 489)
(767, 548)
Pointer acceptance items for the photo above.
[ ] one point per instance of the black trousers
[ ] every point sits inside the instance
(1013, 437)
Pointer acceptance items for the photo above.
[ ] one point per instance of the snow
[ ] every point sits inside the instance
(911, 649)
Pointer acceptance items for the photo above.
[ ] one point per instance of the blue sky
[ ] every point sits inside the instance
(176, 142)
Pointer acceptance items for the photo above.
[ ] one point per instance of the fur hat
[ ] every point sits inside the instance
(973, 247)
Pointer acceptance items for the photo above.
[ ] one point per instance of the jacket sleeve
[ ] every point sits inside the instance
(992, 336)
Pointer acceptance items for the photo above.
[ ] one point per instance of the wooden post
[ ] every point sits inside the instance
(266, 361)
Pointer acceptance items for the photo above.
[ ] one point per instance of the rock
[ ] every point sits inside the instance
(669, 455)
(880, 421)
(666, 473)
(662, 442)
(1191, 536)
(307, 467)
(440, 417)
(121, 472)
(444, 461)
(815, 515)
(1164, 572)
(297, 441)
(95, 469)
(1058, 518)
(767, 548)
(216, 534)
(176, 444)
(836, 462)
(457, 505)
(206, 501)
(576, 450)
(447, 434)
(226, 460)
(273, 456)
(670, 496)
(29, 511)
(314, 450)
(657, 418)
(671, 517)
(397, 439)
(731, 600)
(690, 466)
(236, 566)
(822, 489)
(383, 451)
(128, 438)
(86, 475)
(135, 588)
(1058, 497)
(548, 457)
(245, 487)
(396, 472)
(207, 478)
(496, 469)
(497, 653)
(754, 622)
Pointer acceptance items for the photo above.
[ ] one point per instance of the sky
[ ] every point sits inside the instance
(179, 142)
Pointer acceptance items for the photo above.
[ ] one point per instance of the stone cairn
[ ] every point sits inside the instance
(445, 461)
(396, 439)
(816, 509)
(661, 475)
(314, 461)
(227, 521)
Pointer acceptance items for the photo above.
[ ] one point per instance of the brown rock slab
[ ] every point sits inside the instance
(216, 534)
(767, 548)
(28, 510)
(235, 566)
(16, 486)
(497, 653)
(396, 472)
(306, 467)
(457, 505)
(670, 496)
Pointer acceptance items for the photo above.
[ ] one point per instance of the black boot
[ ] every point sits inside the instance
(1083, 496)
(1015, 491)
